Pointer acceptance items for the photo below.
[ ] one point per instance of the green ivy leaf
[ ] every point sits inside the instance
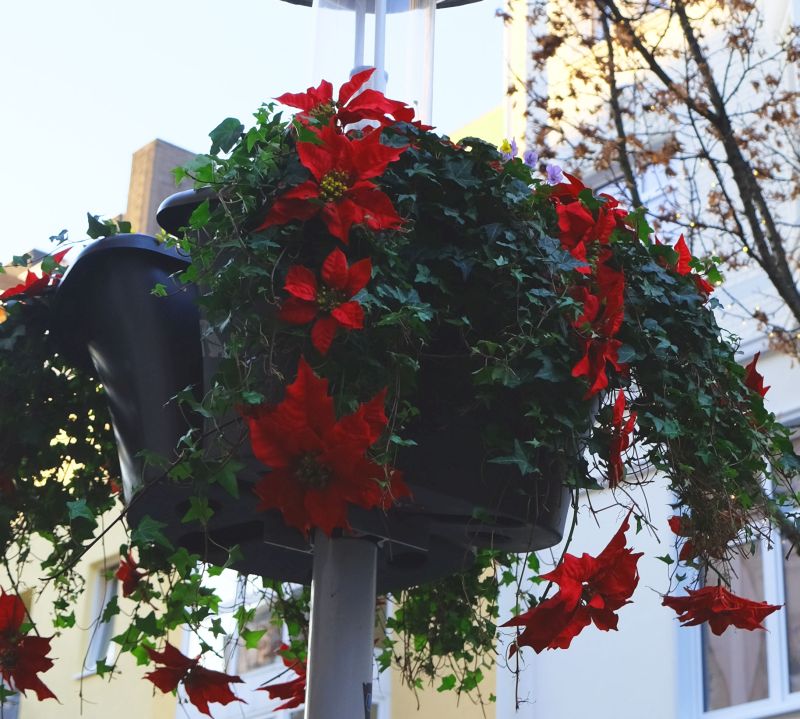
(225, 135)
(148, 531)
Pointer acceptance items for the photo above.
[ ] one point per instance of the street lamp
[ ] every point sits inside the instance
(396, 37)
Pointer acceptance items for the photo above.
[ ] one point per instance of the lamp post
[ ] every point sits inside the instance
(396, 37)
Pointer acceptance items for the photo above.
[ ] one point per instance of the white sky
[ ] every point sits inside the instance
(85, 83)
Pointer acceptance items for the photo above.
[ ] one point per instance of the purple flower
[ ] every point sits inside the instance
(508, 151)
(530, 158)
(555, 175)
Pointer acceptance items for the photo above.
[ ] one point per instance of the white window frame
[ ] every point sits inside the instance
(780, 699)
(106, 588)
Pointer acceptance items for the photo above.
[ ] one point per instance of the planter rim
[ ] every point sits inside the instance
(174, 212)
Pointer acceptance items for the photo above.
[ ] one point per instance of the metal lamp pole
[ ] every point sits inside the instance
(349, 34)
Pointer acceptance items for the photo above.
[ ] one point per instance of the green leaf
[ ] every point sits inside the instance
(199, 511)
(79, 509)
(149, 531)
(200, 216)
(111, 610)
(666, 559)
(225, 135)
(252, 637)
(519, 459)
(226, 477)
(448, 683)
(159, 290)
(98, 228)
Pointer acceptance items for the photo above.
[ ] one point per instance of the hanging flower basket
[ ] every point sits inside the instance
(365, 329)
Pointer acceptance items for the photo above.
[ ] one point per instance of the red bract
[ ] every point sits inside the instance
(34, 285)
(201, 685)
(720, 608)
(293, 691)
(340, 190)
(308, 300)
(753, 379)
(682, 267)
(21, 657)
(597, 353)
(591, 589)
(620, 440)
(318, 463)
(317, 104)
(129, 574)
(681, 526)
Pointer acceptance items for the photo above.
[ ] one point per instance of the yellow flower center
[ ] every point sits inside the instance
(329, 299)
(323, 112)
(311, 474)
(333, 186)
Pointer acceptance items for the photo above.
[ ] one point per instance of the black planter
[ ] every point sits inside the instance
(146, 348)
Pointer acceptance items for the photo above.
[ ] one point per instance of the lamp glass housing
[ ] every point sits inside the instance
(394, 36)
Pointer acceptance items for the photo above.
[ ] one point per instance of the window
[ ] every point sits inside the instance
(246, 660)
(743, 674)
(100, 648)
(9, 709)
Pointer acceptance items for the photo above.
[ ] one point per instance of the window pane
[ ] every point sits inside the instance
(100, 646)
(791, 578)
(735, 664)
(267, 650)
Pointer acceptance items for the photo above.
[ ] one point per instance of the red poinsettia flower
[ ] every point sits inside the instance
(317, 103)
(341, 190)
(332, 301)
(591, 590)
(620, 440)
(21, 657)
(33, 284)
(579, 227)
(720, 608)
(293, 691)
(601, 319)
(318, 464)
(704, 287)
(129, 574)
(681, 526)
(201, 685)
(753, 379)
(597, 353)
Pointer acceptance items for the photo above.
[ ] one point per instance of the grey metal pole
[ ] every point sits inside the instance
(340, 644)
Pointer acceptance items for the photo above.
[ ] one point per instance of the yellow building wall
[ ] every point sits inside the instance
(128, 695)
(430, 704)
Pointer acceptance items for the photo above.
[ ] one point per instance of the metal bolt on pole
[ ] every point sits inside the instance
(340, 645)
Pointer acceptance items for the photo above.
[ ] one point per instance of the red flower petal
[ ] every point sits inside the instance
(296, 204)
(349, 315)
(202, 685)
(353, 85)
(334, 270)
(359, 274)
(322, 334)
(128, 573)
(297, 312)
(720, 608)
(684, 256)
(753, 379)
(301, 283)
(591, 590)
(309, 99)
